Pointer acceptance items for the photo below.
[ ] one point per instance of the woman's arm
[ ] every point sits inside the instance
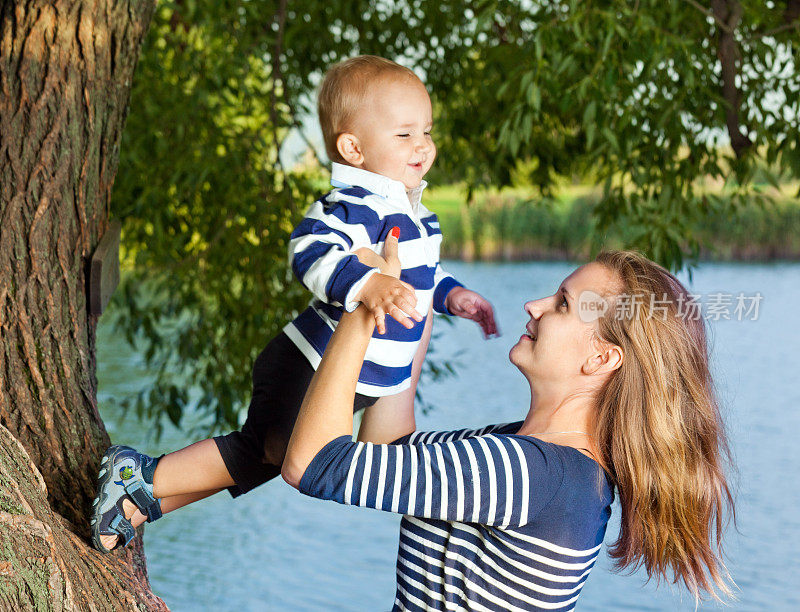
(392, 417)
(496, 480)
(327, 409)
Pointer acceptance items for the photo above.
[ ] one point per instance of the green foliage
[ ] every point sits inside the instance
(629, 93)
(626, 93)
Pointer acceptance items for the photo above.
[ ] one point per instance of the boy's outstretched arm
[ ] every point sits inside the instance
(452, 298)
(467, 304)
(392, 417)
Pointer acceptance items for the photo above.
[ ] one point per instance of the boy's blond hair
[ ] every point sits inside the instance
(344, 89)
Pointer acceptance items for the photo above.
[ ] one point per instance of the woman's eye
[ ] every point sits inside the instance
(427, 133)
(403, 135)
(564, 301)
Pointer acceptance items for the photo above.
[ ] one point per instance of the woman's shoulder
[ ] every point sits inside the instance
(560, 485)
(577, 469)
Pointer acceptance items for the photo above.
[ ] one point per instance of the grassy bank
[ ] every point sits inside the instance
(508, 227)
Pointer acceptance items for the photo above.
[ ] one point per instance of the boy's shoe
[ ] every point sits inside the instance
(124, 473)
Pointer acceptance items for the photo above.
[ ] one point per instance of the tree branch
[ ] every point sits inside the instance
(276, 77)
(778, 30)
(175, 20)
(791, 18)
(709, 13)
(730, 13)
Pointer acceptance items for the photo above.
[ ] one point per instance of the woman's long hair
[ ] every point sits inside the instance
(659, 430)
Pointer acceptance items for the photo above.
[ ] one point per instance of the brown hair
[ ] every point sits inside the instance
(659, 430)
(344, 89)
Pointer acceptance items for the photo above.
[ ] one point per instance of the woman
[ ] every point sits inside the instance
(512, 517)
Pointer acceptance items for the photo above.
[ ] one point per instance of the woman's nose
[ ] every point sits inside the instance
(535, 308)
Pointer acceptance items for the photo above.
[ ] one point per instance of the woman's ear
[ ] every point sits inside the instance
(604, 361)
(350, 149)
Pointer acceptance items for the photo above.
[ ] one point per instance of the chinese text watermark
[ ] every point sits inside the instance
(715, 306)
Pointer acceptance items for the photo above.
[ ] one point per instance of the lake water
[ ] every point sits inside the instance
(275, 549)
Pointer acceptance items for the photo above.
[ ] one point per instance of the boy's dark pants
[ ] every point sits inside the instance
(281, 375)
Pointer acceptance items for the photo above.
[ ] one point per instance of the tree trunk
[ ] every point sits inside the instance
(730, 12)
(65, 77)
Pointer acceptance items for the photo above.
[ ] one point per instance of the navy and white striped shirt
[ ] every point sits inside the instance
(360, 212)
(493, 520)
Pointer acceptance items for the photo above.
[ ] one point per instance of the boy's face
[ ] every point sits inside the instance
(393, 132)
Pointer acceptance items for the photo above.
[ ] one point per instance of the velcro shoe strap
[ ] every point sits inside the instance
(143, 499)
(119, 524)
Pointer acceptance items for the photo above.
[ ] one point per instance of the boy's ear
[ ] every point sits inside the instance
(350, 149)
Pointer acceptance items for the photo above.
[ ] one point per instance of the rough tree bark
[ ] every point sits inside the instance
(65, 76)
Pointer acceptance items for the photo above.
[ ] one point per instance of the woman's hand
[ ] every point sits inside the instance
(389, 264)
(389, 267)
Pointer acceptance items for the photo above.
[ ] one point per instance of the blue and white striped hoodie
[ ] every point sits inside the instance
(360, 212)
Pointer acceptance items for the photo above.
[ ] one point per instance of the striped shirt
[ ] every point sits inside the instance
(360, 212)
(493, 520)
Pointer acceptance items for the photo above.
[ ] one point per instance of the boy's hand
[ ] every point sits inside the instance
(385, 293)
(470, 305)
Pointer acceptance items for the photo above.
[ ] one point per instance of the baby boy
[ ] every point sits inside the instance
(376, 120)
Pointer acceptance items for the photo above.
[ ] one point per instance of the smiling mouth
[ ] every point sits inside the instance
(530, 334)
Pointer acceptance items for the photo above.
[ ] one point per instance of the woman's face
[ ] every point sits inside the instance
(558, 345)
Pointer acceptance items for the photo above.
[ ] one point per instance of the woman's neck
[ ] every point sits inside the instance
(558, 413)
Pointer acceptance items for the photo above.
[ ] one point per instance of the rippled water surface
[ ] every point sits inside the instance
(275, 549)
